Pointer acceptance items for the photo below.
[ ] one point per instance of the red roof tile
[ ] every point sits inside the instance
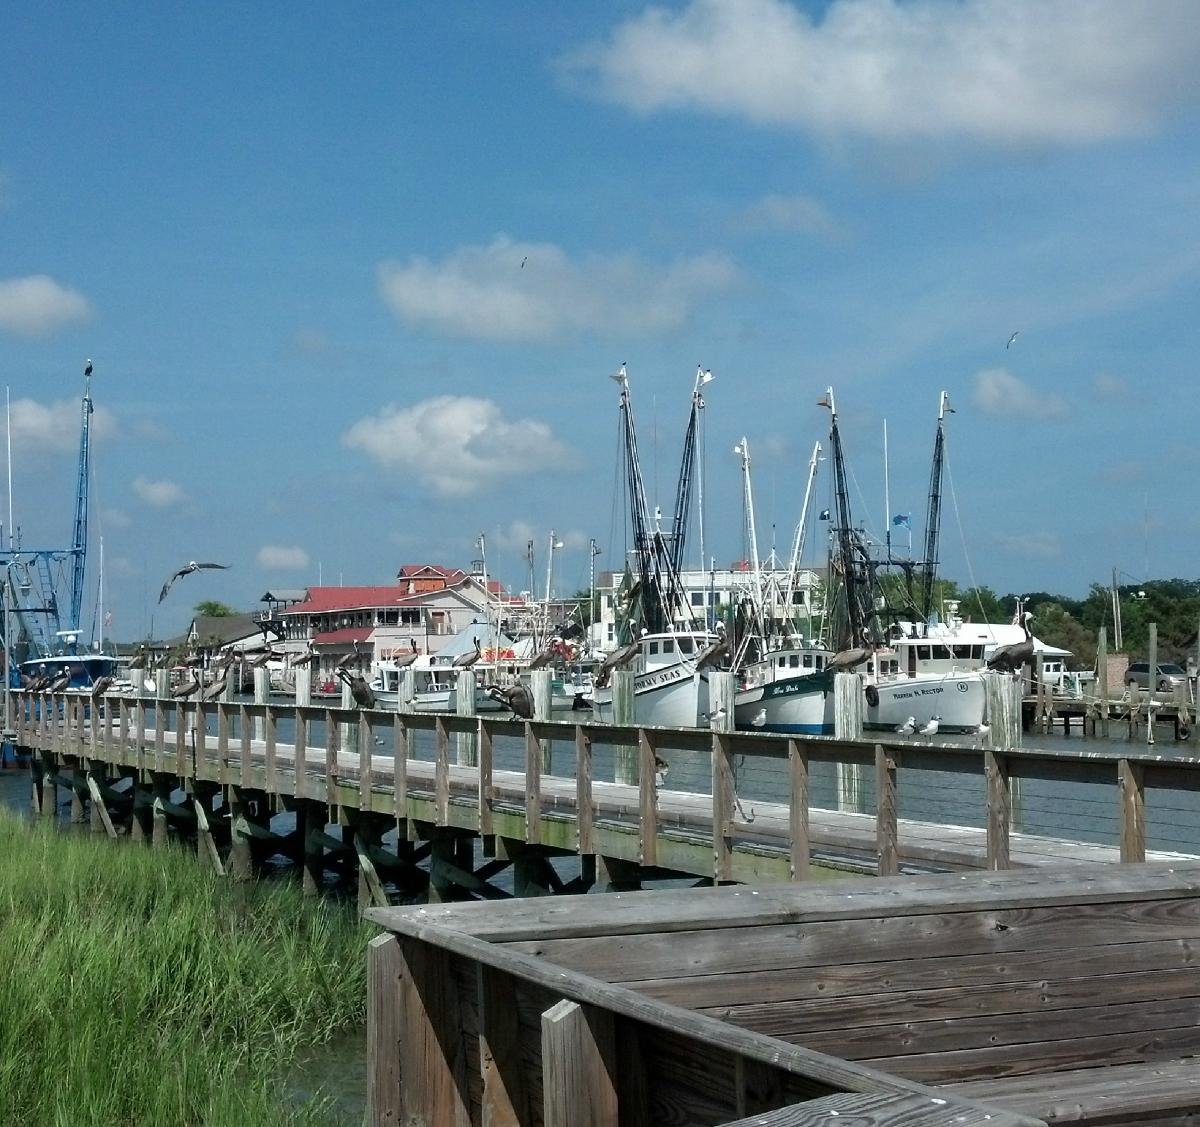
(343, 637)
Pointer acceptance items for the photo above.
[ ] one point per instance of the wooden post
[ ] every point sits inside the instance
(464, 705)
(999, 810)
(647, 800)
(722, 811)
(400, 766)
(434, 1089)
(533, 786)
(583, 792)
(487, 758)
(302, 685)
(366, 752)
(578, 1067)
(1102, 678)
(541, 686)
(441, 771)
(505, 1093)
(1151, 680)
(848, 714)
(300, 744)
(801, 852)
(625, 756)
(886, 833)
(384, 968)
(262, 691)
(1133, 810)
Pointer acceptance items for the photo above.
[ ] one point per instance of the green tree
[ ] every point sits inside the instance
(210, 608)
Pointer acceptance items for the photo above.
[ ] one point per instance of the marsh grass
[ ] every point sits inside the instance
(138, 988)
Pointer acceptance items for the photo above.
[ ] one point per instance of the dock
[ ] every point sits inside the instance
(490, 807)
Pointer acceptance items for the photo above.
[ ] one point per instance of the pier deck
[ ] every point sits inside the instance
(732, 807)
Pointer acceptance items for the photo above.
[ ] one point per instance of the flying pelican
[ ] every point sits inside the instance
(930, 729)
(187, 569)
(1011, 339)
(1010, 659)
(523, 261)
(908, 727)
(759, 719)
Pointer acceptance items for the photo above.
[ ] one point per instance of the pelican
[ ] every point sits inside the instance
(59, 683)
(930, 728)
(407, 659)
(1010, 659)
(759, 719)
(1011, 339)
(186, 688)
(848, 659)
(87, 368)
(216, 688)
(363, 694)
(100, 686)
(908, 727)
(465, 661)
(187, 569)
(516, 698)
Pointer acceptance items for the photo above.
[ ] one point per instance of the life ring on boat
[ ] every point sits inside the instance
(872, 695)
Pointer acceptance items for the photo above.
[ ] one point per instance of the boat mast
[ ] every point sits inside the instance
(933, 517)
(687, 463)
(79, 543)
(742, 449)
(801, 531)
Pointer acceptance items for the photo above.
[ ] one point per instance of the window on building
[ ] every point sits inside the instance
(797, 598)
(652, 648)
(668, 647)
(685, 645)
(697, 598)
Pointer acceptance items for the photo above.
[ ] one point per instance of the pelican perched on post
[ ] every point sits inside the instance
(1011, 659)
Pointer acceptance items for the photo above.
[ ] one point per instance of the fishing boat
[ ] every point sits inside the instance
(668, 651)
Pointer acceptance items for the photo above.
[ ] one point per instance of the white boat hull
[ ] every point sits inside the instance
(796, 705)
(957, 699)
(673, 697)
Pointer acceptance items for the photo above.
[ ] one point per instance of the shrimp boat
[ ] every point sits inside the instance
(669, 652)
(906, 674)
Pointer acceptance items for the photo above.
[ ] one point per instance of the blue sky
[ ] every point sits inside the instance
(291, 236)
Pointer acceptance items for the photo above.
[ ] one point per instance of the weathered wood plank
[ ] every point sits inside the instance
(579, 1086)
(1132, 781)
(647, 799)
(584, 813)
(886, 832)
(505, 1095)
(722, 806)
(533, 786)
(884, 1110)
(999, 811)
(487, 754)
(799, 798)
(441, 789)
(384, 1021)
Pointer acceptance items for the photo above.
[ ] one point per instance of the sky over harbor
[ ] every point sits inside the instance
(353, 279)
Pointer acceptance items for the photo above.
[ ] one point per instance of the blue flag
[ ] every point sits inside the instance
(902, 520)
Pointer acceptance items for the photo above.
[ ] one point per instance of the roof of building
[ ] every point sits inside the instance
(349, 635)
(436, 571)
(219, 630)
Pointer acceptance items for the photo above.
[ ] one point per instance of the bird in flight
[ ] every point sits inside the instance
(523, 261)
(187, 569)
(1012, 338)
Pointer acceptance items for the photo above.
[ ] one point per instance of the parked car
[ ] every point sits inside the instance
(1168, 676)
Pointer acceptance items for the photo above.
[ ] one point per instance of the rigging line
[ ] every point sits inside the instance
(869, 523)
(963, 539)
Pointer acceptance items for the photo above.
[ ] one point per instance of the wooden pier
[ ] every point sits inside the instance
(486, 807)
(1018, 998)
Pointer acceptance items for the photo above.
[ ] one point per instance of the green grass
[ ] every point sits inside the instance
(138, 988)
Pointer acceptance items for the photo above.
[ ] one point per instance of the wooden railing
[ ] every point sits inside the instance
(405, 765)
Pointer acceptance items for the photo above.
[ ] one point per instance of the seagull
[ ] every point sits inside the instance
(1012, 338)
(661, 767)
(982, 732)
(931, 728)
(187, 569)
(717, 714)
(759, 719)
(908, 727)
(87, 370)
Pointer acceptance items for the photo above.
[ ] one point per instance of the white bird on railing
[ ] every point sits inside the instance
(982, 732)
(908, 727)
(930, 728)
(661, 767)
(759, 719)
(717, 714)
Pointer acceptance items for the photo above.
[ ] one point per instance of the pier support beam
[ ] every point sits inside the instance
(241, 862)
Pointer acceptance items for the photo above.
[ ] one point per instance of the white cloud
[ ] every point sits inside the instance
(999, 392)
(1009, 71)
(457, 445)
(1030, 545)
(114, 518)
(794, 213)
(275, 557)
(515, 536)
(40, 427)
(160, 494)
(38, 304)
(484, 292)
